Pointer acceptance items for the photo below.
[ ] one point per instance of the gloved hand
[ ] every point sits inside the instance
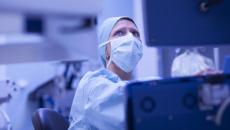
(208, 72)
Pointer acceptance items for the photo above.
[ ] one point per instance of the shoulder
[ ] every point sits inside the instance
(99, 75)
(94, 83)
(93, 79)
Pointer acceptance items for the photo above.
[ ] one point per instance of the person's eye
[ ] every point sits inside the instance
(136, 34)
(119, 33)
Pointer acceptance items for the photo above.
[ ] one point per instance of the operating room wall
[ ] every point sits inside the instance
(150, 65)
(111, 8)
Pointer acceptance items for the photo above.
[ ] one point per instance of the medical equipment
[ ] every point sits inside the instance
(186, 23)
(188, 103)
(7, 89)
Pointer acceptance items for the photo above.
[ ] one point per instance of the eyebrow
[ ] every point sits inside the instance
(122, 28)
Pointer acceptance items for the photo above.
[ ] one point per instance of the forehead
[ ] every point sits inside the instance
(124, 23)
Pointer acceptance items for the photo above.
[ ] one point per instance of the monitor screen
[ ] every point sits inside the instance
(186, 23)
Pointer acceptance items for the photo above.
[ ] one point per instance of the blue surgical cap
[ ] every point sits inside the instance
(104, 33)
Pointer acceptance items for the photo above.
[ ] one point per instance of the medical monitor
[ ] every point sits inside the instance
(186, 22)
(188, 103)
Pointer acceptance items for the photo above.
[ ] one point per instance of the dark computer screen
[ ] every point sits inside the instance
(186, 22)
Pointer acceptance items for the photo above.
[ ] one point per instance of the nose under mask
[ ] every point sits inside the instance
(126, 52)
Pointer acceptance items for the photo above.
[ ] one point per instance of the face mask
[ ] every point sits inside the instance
(126, 52)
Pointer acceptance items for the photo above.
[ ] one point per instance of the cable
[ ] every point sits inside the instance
(221, 111)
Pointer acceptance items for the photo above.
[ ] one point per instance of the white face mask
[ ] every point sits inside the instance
(126, 52)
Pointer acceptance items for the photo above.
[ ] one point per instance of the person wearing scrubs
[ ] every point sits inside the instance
(99, 102)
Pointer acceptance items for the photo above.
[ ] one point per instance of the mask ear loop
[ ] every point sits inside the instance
(110, 58)
(103, 44)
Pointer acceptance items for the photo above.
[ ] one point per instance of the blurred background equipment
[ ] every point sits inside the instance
(57, 93)
(191, 62)
(50, 24)
(7, 90)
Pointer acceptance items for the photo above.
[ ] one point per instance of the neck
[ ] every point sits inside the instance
(122, 74)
